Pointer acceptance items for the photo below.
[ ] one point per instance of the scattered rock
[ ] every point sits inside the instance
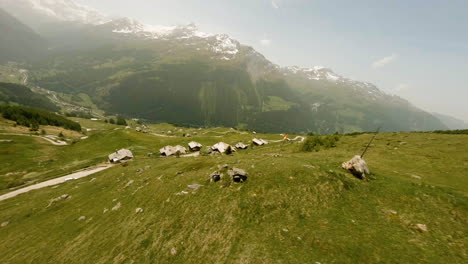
(421, 228)
(180, 172)
(62, 197)
(82, 218)
(215, 176)
(149, 155)
(182, 193)
(139, 210)
(105, 210)
(16, 173)
(357, 166)
(392, 212)
(241, 145)
(188, 135)
(238, 175)
(120, 156)
(93, 179)
(129, 183)
(259, 142)
(195, 146)
(4, 224)
(195, 154)
(416, 177)
(274, 155)
(224, 166)
(116, 207)
(140, 170)
(194, 186)
(138, 129)
(309, 166)
(147, 167)
(173, 251)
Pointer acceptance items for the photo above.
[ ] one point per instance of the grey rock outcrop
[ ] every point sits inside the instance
(357, 166)
(216, 176)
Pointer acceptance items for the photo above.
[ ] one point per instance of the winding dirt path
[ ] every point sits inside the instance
(72, 176)
(55, 142)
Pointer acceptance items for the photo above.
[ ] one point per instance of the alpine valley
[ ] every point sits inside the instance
(180, 75)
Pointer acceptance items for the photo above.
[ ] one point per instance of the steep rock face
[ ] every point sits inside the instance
(181, 75)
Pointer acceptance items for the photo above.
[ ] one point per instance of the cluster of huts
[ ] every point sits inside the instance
(219, 147)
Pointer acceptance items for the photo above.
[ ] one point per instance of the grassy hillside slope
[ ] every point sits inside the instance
(20, 94)
(295, 207)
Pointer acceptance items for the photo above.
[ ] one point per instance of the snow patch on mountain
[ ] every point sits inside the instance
(317, 73)
(67, 10)
(225, 45)
(320, 73)
(220, 44)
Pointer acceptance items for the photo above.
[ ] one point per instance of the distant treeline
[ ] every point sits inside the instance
(453, 132)
(30, 117)
(20, 94)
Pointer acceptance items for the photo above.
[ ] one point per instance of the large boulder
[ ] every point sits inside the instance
(357, 166)
(120, 156)
(216, 176)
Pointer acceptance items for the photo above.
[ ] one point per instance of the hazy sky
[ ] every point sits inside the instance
(417, 49)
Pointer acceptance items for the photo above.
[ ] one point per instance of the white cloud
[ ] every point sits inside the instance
(274, 4)
(265, 42)
(384, 61)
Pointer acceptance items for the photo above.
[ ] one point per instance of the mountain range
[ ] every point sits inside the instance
(181, 75)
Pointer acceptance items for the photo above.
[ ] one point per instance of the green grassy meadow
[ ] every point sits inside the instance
(295, 207)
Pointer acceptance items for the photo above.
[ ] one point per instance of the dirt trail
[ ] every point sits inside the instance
(49, 138)
(75, 175)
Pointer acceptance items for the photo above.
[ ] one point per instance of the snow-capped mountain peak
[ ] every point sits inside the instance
(47, 11)
(62, 10)
(317, 73)
(219, 43)
(320, 73)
